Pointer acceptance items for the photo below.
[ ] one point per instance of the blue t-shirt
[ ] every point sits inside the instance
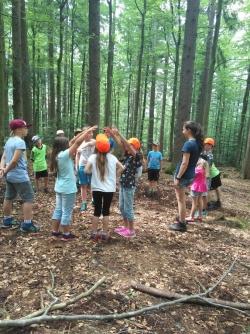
(154, 159)
(111, 143)
(190, 146)
(65, 180)
(19, 173)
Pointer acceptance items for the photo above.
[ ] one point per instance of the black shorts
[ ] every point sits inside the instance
(215, 182)
(102, 202)
(42, 173)
(153, 174)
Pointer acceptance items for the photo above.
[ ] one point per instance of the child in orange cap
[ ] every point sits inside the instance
(131, 163)
(103, 166)
(214, 174)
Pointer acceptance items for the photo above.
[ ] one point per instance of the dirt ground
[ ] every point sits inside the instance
(157, 257)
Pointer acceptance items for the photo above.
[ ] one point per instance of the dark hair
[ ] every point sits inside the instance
(60, 144)
(101, 164)
(196, 130)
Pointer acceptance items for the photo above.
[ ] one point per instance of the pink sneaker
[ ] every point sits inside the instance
(120, 229)
(127, 233)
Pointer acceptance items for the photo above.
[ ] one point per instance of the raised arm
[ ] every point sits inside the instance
(122, 141)
(76, 142)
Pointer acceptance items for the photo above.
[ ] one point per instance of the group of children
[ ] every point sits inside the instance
(93, 162)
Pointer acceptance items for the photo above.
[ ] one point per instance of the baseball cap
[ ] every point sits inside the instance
(135, 142)
(102, 146)
(18, 123)
(60, 132)
(35, 139)
(209, 141)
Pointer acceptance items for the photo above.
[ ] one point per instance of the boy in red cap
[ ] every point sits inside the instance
(14, 168)
(103, 166)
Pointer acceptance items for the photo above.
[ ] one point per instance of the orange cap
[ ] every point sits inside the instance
(135, 142)
(102, 146)
(101, 137)
(209, 141)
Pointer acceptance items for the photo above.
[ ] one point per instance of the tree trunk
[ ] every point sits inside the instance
(59, 66)
(186, 77)
(26, 75)
(243, 116)
(108, 111)
(140, 57)
(129, 58)
(51, 73)
(212, 65)
(202, 97)
(3, 81)
(152, 106)
(71, 110)
(163, 108)
(177, 42)
(144, 101)
(94, 62)
(34, 69)
(17, 59)
(245, 171)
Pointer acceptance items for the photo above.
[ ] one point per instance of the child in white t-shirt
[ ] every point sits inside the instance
(103, 166)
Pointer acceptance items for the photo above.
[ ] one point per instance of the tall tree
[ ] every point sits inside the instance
(51, 72)
(212, 65)
(202, 97)
(243, 116)
(140, 58)
(164, 99)
(186, 76)
(108, 111)
(62, 4)
(245, 171)
(3, 81)
(177, 42)
(94, 62)
(152, 105)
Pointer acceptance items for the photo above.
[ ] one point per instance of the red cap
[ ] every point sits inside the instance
(209, 141)
(102, 146)
(18, 123)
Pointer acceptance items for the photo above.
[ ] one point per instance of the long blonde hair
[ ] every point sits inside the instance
(101, 164)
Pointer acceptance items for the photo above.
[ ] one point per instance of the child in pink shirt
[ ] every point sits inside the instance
(199, 189)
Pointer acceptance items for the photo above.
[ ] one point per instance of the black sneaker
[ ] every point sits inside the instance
(68, 237)
(56, 235)
(178, 226)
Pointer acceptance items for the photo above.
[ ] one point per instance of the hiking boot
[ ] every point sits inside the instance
(83, 207)
(214, 205)
(178, 227)
(9, 223)
(68, 237)
(29, 228)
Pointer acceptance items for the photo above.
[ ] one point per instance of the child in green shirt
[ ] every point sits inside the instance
(38, 156)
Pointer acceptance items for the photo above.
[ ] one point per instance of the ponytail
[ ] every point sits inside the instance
(101, 162)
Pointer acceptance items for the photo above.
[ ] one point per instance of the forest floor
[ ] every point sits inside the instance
(157, 257)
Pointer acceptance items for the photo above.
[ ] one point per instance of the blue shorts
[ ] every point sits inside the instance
(23, 189)
(84, 178)
(197, 194)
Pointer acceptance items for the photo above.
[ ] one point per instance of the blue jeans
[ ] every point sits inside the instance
(126, 201)
(64, 208)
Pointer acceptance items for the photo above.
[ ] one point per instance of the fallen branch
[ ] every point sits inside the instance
(197, 299)
(62, 305)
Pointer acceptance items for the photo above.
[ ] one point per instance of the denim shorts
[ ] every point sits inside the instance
(184, 183)
(197, 194)
(64, 208)
(23, 189)
(84, 178)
